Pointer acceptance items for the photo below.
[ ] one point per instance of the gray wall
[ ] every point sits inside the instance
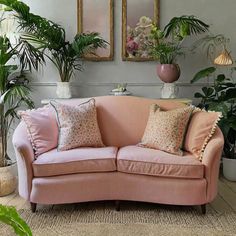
(100, 77)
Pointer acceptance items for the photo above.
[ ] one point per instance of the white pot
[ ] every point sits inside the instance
(229, 169)
(63, 90)
(169, 90)
(8, 180)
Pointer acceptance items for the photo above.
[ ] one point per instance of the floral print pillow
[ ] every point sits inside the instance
(78, 126)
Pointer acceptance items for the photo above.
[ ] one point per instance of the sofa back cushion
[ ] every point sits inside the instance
(122, 119)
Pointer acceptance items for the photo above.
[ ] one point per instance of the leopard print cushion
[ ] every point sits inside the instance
(78, 126)
(165, 130)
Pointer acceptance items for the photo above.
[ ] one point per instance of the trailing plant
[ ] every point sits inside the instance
(9, 216)
(220, 96)
(47, 36)
(167, 44)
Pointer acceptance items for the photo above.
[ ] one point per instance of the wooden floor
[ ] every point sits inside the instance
(224, 202)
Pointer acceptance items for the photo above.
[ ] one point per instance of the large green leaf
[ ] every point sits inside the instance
(199, 95)
(225, 127)
(203, 74)
(230, 94)
(9, 215)
(208, 91)
(220, 107)
(220, 78)
(184, 26)
(87, 43)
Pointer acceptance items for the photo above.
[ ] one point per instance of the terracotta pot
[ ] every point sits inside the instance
(168, 73)
(8, 180)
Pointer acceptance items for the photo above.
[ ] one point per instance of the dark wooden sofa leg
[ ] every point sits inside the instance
(203, 208)
(33, 207)
(117, 203)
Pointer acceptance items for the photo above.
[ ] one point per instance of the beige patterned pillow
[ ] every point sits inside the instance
(78, 126)
(165, 130)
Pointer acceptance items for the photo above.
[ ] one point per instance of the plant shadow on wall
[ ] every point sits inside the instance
(50, 39)
(220, 96)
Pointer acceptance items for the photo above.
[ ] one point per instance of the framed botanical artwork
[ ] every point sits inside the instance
(98, 16)
(138, 17)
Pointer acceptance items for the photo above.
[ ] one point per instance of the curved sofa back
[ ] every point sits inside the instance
(122, 119)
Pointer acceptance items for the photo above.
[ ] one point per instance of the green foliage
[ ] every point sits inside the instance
(14, 92)
(203, 74)
(181, 27)
(9, 216)
(221, 96)
(166, 52)
(168, 43)
(30, 57)
(41, 34)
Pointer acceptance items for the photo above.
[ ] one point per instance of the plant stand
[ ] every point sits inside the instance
(169, 90)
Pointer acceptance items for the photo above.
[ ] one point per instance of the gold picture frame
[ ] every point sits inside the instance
(125, 56)
(106, 54)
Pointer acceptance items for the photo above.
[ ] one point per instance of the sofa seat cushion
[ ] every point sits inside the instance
(145, 161)
(80, 160)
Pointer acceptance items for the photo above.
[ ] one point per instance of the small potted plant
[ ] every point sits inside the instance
(45, 35)
(221, 96)
(167, 44)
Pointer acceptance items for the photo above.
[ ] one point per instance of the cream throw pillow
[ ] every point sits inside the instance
(165, 130)
(78, 126)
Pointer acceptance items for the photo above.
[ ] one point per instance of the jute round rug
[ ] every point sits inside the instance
(133, 219)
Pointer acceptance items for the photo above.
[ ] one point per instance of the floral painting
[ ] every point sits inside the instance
(139, 38)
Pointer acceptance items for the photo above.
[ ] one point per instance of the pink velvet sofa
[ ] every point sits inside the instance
(122, 170)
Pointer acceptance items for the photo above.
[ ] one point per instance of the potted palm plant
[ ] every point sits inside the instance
(50, 39)
(221, 96)
(168, 44)
(14, 92)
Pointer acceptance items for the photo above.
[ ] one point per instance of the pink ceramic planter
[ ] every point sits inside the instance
(168, 73)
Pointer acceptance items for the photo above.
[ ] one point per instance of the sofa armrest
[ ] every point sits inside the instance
(211, 160)
(24, 156)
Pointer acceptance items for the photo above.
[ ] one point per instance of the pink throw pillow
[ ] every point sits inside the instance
(201, 128)
(42, 128)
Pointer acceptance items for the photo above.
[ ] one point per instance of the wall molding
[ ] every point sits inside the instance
(103, 84)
